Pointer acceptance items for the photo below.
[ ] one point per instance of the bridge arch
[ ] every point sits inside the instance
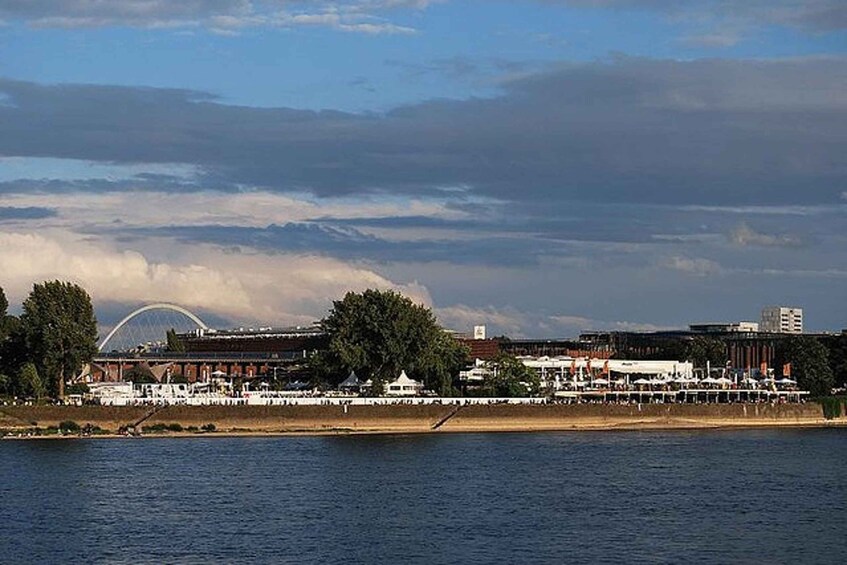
(158, 306)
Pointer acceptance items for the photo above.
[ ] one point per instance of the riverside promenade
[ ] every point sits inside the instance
(418, 418)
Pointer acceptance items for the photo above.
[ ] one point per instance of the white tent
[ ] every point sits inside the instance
(403, 386)
(601, 382)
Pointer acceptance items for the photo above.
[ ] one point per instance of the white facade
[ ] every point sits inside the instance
(782, 319)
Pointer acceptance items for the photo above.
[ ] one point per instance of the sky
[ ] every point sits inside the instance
(544, 167)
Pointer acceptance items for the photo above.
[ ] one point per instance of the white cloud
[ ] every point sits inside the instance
(245, 209)
(463, 318)
(577, 324)
(226, 17)
(694, 266)
(517, 324)
(744, 235)
(249, 287)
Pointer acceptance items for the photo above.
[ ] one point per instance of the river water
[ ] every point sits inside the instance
(751, 496)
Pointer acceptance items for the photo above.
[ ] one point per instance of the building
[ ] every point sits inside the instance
(720, 328)
(782, 319)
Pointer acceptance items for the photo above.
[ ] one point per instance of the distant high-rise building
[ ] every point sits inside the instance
(782, 319)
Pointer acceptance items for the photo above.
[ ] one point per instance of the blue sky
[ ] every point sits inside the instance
(544, 166)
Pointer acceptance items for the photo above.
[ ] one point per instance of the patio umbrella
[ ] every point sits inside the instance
(641, 381)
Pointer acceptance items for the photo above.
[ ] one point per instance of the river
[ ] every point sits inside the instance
(748, 496)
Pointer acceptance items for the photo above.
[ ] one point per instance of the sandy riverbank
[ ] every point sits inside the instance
(287, 420)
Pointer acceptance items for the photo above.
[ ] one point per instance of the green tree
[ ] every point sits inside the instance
(701, 349)
(140, 374)
(5, 351)
(837, 346)
(378, 334)
(13, 352)
(4, 307)
(809, 363)
(175, 345)
(512, 378)
(29, 383)
(60, 331)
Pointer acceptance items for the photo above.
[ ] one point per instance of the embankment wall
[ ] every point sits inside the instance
(410, 418)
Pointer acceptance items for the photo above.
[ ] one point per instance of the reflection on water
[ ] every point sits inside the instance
(707, 497)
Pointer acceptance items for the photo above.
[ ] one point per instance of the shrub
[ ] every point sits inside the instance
(831, 407)
(174, 427)
(69, 426)
(208, 427)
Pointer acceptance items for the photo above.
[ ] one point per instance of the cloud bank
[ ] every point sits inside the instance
(245, 287)
(709, 132)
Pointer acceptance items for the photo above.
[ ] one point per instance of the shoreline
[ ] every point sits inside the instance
(338, 432)
(247, 421)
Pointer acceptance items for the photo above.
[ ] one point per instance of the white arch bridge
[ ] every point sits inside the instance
(160, 306)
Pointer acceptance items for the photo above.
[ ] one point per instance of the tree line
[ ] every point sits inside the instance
(375, 333)
(49, 343)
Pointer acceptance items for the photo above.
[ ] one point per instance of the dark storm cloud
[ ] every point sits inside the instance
(25, 213)
(137, 183)
(349, 244)
(631, 130)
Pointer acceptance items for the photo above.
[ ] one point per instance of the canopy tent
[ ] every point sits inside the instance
(686, 380)
(351, 382)
(403, 386)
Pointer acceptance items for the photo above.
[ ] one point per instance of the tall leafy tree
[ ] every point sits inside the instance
(29, 382)
(380, 333)
(11, 353)
(4, 305)
(512, 378)
(809, 363)
(701, 349)
(837, 346)
(60, 331)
